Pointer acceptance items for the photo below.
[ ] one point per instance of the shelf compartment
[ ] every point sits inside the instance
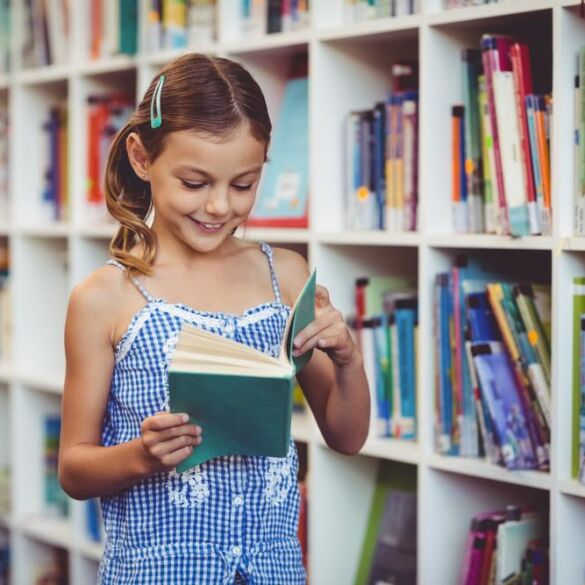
(486, 12)
(482, 469)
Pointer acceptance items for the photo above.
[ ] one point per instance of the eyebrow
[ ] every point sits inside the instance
(191, 169)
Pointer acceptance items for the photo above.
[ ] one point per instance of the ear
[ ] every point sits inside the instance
(137, 156)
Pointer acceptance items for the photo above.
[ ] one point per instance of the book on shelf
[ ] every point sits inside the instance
(106, 115)
(5, 555)
(55, 499)
(5, 304)
(492, 366)
(507, 547)
(303, 531)
(362, 10)
(113, 28)
(579, 145)
(53, 569)
(241, 397)
(381, 158)
(500, 143)
(94, 523)
(180, 24)
(54, 199)
(5, 27)
(385, 325)
(578, 385)
(45, 36)
(283, 192)
(389, 551)
(448, 4)
(261, 17)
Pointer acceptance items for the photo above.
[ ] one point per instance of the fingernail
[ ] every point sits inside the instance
(297, 342)
(185, 417)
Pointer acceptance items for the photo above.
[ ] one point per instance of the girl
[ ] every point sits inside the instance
(192, 157)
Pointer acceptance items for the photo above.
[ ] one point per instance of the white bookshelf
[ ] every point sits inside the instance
(349, 68)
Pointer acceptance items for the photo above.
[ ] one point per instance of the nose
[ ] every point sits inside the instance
(218, 201)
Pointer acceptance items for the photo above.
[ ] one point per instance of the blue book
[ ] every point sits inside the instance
(283, 193)
(379, 143)
(406, 319)
(379, 326)
(482, 323)
(505, 408)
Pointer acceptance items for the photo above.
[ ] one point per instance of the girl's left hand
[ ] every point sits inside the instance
(328, 332)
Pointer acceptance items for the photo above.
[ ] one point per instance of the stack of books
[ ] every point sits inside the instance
(492, 364)
(113, 26)
(45, 39)
(381, 158)
(360, 10)
(55, 185)
(106, 115)
(385, 326)
(508, 547)
(177, 24)
(261, 17)
(501, 181)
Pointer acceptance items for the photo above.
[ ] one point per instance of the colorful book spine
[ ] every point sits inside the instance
(458, 179)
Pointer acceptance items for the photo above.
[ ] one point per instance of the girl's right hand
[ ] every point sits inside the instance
(167, 440)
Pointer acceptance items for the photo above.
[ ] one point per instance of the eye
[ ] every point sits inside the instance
(242, 187)
(192, 186)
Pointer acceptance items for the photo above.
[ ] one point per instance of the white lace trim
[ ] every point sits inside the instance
(133, 332)
(279, 478)
(259, 316)
(188, 489)
(189, 316)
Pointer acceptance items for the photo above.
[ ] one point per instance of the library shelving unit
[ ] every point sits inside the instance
(349, 68)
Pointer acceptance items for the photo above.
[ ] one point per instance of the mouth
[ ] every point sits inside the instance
(207, 227)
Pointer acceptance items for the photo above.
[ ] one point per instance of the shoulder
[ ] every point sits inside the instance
(292, 271)
(97, 294)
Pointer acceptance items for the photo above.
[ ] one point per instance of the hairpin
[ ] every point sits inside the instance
(156, 120)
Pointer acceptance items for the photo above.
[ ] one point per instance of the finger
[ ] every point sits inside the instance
(165, 420)
(164, 448)
(335, 331)
(321, 296)
(316, 326)
(152, 437)
(173, 459)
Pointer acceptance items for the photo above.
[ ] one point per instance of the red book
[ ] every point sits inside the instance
(520, 57)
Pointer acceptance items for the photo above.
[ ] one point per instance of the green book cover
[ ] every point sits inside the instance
(578, 310)
(241, 397)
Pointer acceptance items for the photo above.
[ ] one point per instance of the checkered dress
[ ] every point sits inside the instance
(232, 515)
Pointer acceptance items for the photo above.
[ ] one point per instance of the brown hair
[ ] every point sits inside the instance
(200, 93)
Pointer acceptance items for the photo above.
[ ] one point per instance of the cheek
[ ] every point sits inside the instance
(242, 203)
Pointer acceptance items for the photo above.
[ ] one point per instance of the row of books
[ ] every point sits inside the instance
(500, 143)
(261, 17)
(54, 194)
(5, 304)
(389, 551)
(106, 115)
(385, 326)
(5, 21)
(360, 10)
(381, 158)
(507, 547)
(46, 30)
(177, 24)
(579, 160)
(113, 28)
(461, 3)
(492, 356)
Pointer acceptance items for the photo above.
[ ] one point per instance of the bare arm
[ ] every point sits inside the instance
(87, 469)
(334, 381)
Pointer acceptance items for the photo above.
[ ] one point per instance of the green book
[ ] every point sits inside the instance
(578, 310)
(241, 397)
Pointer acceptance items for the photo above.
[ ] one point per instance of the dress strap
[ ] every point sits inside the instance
(268, 251)
(135, 281)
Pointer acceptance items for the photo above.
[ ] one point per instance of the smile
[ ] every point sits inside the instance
(207, 227)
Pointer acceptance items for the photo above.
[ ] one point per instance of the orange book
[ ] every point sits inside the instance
(96, 29)
(543, 150)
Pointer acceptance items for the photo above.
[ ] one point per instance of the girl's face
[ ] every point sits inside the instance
(204, 187)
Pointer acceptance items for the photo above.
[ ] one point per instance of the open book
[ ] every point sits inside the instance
(240, 396)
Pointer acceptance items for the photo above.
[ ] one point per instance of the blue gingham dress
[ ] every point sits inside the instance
(230, 517)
